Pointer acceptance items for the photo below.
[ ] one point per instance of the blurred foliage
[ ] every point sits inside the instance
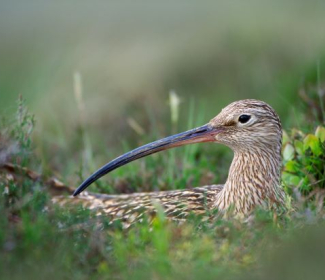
(97, 78)
(39, 240)
(130, 56)
(304, 153)
(304, 160)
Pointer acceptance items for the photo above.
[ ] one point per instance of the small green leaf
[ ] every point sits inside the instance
(312, 142)
(299, 146)
(290, 179)
(285, 137)
(288, 152)
(292, 166)
(320, 133)
(296, 133)
(309, 168)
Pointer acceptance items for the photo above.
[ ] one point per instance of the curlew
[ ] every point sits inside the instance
(251, 128)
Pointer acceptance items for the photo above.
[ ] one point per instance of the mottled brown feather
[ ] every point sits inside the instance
(177, 204)
(253, 179)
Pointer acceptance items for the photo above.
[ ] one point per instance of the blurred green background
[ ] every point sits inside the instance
(133, 54)
(128, 57)
(98, 77)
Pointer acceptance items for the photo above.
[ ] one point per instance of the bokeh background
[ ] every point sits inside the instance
(98, 76)
(125, 58)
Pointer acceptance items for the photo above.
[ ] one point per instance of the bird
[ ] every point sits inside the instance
(253, 131)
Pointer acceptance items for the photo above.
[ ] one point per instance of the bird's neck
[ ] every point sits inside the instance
(253, 179)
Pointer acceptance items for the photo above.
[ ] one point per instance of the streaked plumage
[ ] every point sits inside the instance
(251, 128)
(177, 204)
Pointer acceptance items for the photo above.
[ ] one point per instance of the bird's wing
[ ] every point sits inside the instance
(176, 204)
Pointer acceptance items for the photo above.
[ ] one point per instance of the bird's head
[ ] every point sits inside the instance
(242, 125)
(247, 125)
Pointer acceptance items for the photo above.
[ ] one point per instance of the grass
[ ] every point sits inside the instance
(42, 241)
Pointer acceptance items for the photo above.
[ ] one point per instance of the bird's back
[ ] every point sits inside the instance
(176, 204)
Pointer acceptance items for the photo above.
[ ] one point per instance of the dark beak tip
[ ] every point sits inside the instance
(75, 193)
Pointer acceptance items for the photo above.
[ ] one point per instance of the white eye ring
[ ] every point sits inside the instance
(245, 119)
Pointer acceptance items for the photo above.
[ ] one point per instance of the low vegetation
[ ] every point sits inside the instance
(39, 240)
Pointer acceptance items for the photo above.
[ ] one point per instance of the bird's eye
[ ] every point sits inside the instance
(244, 118)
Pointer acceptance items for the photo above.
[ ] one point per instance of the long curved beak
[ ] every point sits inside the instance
(205, 133)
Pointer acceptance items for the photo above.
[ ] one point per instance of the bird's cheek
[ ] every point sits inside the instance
(218, 137)
(221, 138)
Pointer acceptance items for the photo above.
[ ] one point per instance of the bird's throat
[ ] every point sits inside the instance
(253, 179)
